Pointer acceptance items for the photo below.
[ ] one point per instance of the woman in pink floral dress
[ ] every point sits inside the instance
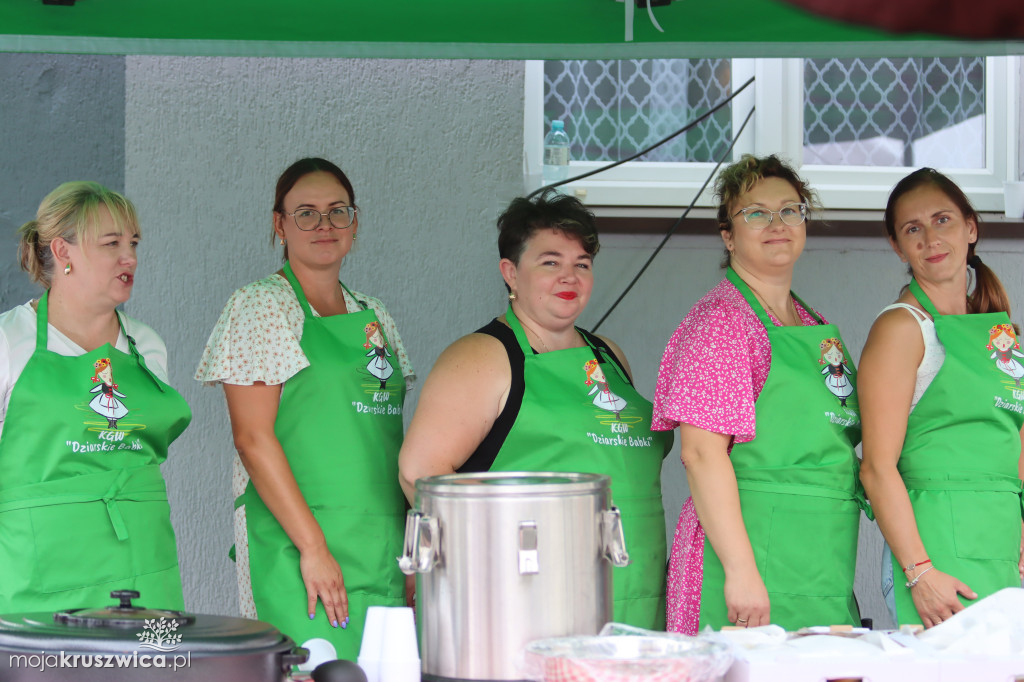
(770, 533)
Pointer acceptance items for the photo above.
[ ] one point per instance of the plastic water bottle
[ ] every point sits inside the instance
(556, 154)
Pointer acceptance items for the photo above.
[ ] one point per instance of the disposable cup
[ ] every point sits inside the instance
(400, 669)
(400, 635)
(372, 647)
(1013, 196)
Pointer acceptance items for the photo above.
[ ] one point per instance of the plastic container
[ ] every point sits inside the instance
(556, 154)
(626, 658)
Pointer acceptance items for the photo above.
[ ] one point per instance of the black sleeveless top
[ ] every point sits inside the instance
(483, 457)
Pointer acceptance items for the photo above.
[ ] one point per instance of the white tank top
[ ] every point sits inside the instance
(934, 353)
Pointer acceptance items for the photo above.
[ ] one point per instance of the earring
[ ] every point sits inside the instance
(353, 237)
(511, 296)
(282, 241)
(67, 268)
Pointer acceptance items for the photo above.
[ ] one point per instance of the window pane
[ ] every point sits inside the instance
(895, 112)
(613, 108)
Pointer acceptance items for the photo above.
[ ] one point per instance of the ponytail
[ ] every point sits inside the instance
(989, 295)
(35, 260)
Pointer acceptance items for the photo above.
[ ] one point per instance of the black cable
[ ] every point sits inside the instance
(678, 222)
(640, 153)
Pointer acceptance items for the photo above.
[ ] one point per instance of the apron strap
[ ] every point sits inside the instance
(142, 484)
(294, 282)
(795, 489)
(998, 483)
(748, 295)
(603, 355)
(42, 330)
(923, 299)
(42, 321)
(524, 343)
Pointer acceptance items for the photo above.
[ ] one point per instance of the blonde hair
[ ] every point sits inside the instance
(70, 213)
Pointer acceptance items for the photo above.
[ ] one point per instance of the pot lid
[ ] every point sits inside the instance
(513, 483)
(128, 629)
(124, 615)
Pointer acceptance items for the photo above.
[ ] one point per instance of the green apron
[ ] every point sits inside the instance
(341, 432)
(573, 420)
(959, 461)
(83, 507)
(798, 485)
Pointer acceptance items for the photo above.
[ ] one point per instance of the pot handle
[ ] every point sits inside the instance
(614, 540)
(419, 555)
(296, 656)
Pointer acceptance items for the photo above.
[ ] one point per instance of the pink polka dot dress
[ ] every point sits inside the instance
(711, 374)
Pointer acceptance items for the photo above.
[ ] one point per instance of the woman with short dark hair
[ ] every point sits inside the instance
(531, 391)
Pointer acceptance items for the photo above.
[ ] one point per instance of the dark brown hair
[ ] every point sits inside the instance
(550, 210)
(740, 177)
(989, 295)
(296, 172)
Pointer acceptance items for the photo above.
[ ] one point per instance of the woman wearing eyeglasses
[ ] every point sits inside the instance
(319, 513)
(770, 532)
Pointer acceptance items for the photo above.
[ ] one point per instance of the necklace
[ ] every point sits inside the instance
(792, 306)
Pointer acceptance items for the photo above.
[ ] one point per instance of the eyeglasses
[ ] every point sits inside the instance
(308, 219)
(759, 218)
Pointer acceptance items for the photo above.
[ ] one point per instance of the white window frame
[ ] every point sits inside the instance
(777, 128)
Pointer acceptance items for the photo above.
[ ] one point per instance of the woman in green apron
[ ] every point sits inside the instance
(761, 389)
(943, 409)
(86, 419)
(532, 392)
(319, 514)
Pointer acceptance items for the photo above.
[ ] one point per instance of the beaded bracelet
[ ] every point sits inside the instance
(913, 582)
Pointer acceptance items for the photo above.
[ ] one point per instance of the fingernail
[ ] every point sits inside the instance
(344, 624)
(334, 623)
(311, 616)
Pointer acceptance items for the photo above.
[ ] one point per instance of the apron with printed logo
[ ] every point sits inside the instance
(798, 480)
(960, 457)
(580, 413)
(83, 506)
(340, 425)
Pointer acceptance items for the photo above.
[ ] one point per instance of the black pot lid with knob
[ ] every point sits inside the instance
(124, 628)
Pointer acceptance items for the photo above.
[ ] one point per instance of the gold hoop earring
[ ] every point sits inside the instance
(67, 268)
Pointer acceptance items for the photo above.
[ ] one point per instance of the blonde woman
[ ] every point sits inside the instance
(83, 506)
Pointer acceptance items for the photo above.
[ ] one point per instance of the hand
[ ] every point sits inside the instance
(1020, 563)
(746, 599)
(322, 577)
(935, 596)
(410, 591)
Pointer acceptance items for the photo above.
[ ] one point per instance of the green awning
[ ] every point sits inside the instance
(495, 29)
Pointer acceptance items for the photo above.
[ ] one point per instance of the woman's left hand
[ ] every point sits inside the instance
(1020, 562)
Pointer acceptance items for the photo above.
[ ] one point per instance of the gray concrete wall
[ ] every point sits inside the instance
(61, 118)
(433, 148)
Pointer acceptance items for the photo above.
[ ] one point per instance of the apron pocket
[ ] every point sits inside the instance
(365, 547)
(986, 525)
(812, 552)
(76, 546)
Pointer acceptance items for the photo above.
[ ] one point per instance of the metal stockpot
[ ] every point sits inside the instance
(503, 558)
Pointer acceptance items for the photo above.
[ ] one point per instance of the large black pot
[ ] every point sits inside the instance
(127, 642)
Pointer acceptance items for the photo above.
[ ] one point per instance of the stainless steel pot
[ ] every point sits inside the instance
(127, 642)
(505, 558)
